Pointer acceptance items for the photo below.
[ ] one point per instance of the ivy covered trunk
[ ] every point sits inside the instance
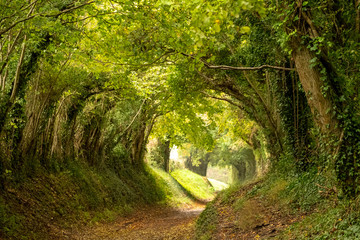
(341, 143)
(321, 106)
(138, 145)
(325, 85)
(166, 147)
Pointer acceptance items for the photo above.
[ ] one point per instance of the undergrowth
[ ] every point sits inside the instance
(49, 204)
(325, 213)
(339, 221)
(299, 193)
(10, 223)
(310, 197)
(206, 223)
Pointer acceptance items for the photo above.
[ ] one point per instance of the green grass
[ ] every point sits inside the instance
(196, 185)
(206, 223)
(311, 198)
(175, 194)
(80, 195)
(217, 185)
(229, 194)
(328, 222)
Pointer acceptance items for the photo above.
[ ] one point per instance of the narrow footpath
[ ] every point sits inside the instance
(153, 223)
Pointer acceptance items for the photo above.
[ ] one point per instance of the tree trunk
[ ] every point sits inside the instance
(251, 173)
(200, 169)
(167, 156)
(239, 172)
(336, 119)
(138, 146)
(321, 106)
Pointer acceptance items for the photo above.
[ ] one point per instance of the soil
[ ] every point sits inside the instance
(152, 223)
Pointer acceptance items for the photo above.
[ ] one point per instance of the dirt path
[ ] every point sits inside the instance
(151, 223)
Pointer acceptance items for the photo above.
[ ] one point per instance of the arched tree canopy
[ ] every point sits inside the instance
(107, 75)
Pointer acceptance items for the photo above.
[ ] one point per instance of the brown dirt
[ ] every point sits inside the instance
(153, 223)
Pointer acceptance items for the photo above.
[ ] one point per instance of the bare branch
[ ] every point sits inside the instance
(10, 49)
(68, 10)
(137, 114)
(311, 24)
(224, 99)
(225, 67)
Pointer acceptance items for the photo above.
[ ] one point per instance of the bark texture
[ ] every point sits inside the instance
(310, 78)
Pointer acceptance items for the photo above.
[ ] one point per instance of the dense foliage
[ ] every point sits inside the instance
(89, 82)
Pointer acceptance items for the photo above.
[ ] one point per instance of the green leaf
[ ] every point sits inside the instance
(245, 30)
(217, 27)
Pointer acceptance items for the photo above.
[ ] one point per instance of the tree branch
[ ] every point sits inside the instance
(17, 74)
(68, 10)
(225, 67)
(137, 114)
(224, 99)
(157, 60)
(43, 15)
(17, 12)
(10, 49)
(311, 24)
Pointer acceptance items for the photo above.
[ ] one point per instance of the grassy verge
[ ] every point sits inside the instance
(50, 205)
(196, 185)
(206, 223)
(336, 221)
(217, 185)
(306, 206)
(175, 196)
